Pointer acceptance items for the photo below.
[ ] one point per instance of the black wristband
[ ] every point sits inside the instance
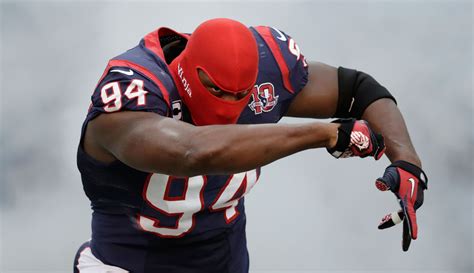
(343, 137)
(413, 169)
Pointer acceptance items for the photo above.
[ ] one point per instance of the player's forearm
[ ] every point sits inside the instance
(385, 118)
(148, 142)
(236, 148)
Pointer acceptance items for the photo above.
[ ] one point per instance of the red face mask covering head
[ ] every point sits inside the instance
(227, 52)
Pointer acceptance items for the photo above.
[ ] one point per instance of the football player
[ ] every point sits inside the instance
(180, 125)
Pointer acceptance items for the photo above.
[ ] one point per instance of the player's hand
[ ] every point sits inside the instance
(407, 182)
(356, 138)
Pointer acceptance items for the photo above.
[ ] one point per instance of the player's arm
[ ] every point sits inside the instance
(342, 93)
(128, 121)
(152, 143)
(332, 92)
(291, 65)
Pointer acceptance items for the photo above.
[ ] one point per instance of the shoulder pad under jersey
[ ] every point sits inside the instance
(126, 87)
(288, 56)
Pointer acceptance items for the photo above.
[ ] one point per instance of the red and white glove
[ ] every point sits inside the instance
(356, 138)
(407, 182)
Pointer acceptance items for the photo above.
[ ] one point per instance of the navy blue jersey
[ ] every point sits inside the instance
(150, 222)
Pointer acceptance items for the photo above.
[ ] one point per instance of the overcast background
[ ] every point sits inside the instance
(309, 212)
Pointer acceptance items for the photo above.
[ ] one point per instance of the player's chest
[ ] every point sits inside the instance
(207, 191)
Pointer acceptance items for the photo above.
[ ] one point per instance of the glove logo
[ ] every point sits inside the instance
(360, 140)
(412, 181)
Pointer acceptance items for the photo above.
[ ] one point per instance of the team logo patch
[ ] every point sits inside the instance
(263, 98)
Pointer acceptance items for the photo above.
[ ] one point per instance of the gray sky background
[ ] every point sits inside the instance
(309, 212)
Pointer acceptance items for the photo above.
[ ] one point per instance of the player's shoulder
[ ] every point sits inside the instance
(155, 77)
(126, 86)
(280, 43)
(290, 62)
(138, 79)
(271, 31)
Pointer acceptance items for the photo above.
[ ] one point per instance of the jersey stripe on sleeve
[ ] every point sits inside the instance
(266, 34)
(145, 72)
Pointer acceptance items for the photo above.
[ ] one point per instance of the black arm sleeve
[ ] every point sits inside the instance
(357, 90)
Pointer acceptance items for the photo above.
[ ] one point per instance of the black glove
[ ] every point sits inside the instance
(407, 182)
(356, 138)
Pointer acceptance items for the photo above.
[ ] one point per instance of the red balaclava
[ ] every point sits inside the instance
(227, 52)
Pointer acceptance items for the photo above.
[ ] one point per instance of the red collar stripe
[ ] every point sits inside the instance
(152, 42)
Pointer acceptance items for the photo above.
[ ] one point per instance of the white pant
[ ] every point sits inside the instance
(88, 263)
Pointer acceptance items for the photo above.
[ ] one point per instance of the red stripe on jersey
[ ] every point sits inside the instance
(145, 72)
(266, 34)
(152, 42)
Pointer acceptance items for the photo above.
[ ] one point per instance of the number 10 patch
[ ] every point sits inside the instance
(263, 98)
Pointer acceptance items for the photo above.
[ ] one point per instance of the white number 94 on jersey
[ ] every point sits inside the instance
(191, 201)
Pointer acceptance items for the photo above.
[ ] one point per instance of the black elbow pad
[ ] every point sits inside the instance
(357, 90)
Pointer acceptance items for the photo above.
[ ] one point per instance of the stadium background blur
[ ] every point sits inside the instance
(309, 212)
